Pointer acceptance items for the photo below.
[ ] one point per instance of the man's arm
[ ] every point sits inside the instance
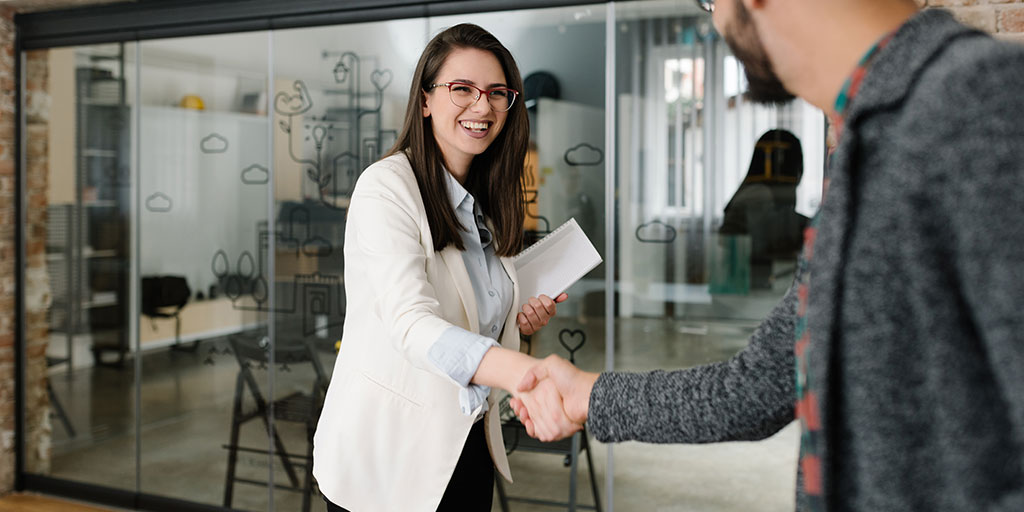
(748, 397)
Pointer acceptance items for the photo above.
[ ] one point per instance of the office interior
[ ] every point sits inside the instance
(196, 190)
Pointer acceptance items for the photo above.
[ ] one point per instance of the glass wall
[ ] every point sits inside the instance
(339, 101)
(561, 56)
(202, 241)
(709, 224)
(196, 214)
(87, 167)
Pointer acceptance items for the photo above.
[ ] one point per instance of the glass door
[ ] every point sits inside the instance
(712, 196)
(339, 100)
(204, 185)
(561, 57)
(80, 146)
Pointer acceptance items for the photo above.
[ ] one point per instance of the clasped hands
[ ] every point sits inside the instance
(552, 397)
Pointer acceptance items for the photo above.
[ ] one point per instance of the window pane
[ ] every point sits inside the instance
(708, 233)
(561, 57)
(80, 147)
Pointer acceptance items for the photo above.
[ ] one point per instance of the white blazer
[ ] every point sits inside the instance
(391, 430)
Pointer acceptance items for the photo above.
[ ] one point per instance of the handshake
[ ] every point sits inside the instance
(552, 398)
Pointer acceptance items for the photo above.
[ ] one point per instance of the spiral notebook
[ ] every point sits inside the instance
(554, 263)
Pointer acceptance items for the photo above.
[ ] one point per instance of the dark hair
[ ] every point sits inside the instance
(786, 163)
(495, 176)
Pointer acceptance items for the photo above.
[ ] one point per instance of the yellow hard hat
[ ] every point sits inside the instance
(192, 101)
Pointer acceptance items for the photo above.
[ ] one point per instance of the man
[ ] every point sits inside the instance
(901, 345)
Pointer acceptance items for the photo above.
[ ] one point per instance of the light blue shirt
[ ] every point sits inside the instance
(458, 352)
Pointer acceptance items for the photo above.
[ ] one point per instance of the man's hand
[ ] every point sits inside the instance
(536, 313)
(548, 421)
(572, 384)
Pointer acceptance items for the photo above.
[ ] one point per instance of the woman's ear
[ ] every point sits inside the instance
(425, 107)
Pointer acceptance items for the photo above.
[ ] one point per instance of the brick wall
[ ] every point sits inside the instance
(7, 223)
(1004, 18)
(37, 282)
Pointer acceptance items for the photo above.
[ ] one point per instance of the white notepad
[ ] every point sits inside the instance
(554, 263)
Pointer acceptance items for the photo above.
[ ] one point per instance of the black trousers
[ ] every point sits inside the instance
(471, 488)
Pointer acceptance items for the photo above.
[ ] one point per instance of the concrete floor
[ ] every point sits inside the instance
(186, 416)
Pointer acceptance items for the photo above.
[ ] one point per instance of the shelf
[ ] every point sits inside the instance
(100, 203)
(99, 103)
(106, 253)
(88, 254)
(92, 304)
(100, 153)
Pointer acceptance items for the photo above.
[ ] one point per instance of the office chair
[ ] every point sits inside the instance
(251, 351)
(516, 438)
(164, 297)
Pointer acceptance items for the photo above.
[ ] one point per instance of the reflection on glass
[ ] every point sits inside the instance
(202, 243)
(707, 243)
(561, 56)
(338, 99)
(86, 167)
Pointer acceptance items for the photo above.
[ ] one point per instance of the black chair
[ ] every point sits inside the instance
(516, 438)
(252, 353)
(163, 297)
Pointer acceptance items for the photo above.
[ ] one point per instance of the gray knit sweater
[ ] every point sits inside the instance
(916, 304)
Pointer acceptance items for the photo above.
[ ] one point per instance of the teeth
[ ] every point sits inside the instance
(474, 125)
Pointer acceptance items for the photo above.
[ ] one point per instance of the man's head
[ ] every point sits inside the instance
(805, 48)
(734, 22)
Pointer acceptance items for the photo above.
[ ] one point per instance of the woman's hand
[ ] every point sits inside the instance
(537, 312)
(546, 419)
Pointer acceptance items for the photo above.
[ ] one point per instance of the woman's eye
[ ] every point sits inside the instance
(499, 94)
(461, 89)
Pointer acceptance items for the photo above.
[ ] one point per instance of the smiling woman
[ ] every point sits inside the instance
(431, 325)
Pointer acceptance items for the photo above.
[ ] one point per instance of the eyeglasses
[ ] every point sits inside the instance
(464, 95)
(707, 5)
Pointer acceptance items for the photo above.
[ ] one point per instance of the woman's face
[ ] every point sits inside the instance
(464, 132)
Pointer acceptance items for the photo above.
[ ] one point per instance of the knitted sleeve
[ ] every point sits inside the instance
(748, 397)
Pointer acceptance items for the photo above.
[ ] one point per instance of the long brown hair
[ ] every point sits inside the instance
(495, 176)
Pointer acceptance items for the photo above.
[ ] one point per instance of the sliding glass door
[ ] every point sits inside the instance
(196, 191)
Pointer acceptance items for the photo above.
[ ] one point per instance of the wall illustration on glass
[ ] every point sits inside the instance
(572, 340)
(345, 138)
(584, 154)
(213, 143)
(255, 174)
(317, 298)
(655, 232)
(159, 203)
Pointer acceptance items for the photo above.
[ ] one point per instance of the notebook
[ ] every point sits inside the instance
(554, 263)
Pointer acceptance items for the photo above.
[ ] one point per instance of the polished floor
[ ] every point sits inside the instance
(27, 502)
(186, 417)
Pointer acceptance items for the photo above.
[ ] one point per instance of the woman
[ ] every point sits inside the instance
(764, 206)
(408, 422)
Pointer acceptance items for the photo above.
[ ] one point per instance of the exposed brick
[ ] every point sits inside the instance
(1011, 19)
(953, 3)
(1013, 37)
(983, 17)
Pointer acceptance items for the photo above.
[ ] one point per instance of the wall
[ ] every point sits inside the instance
(7, 221)
(37, 111)
(1005, 18)
(37, 114)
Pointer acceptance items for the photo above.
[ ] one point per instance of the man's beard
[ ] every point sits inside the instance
(763, 85)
